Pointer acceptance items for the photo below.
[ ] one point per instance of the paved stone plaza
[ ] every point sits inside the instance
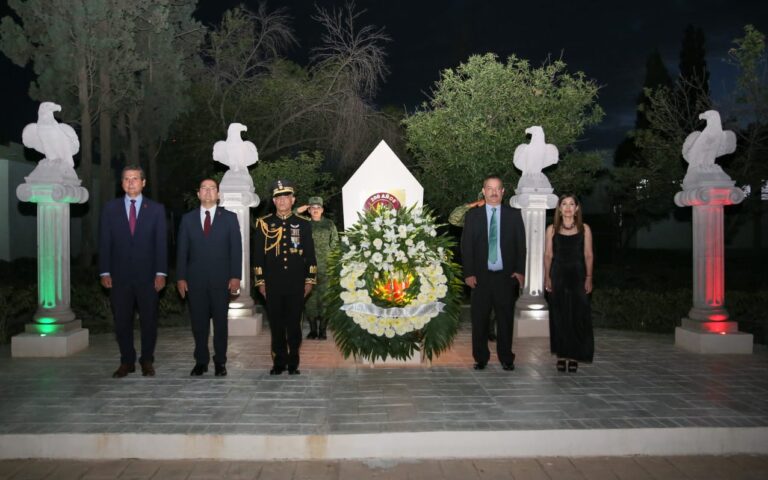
(739, 467)
(638, 382)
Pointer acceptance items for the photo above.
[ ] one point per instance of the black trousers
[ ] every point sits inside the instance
(498, 292)
(125, 297)
(284, 311)
(206, 304)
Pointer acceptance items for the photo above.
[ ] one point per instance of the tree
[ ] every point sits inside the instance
(477, 116)
(749, 167)
(61, 38)
(167, 41)
(656, 76)
(116, 63)
(643, 187)
(325, 106)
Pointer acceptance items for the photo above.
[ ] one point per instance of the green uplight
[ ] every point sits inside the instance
(45, 320)
(47, 329)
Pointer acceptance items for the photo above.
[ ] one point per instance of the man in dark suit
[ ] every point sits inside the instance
(209, 265)
(133, 264)
(493, 254)
(285, 269)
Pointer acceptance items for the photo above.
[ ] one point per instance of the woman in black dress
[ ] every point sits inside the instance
(568, 282)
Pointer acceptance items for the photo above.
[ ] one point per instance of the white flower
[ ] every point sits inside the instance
(376, 258)
(377, 243)
(402, 231)
(345, 240)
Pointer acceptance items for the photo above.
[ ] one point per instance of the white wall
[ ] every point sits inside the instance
(18, 220)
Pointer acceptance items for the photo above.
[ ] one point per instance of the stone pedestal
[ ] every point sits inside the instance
(54, 331)
(707, 328)
(236, 194)
(531, 309)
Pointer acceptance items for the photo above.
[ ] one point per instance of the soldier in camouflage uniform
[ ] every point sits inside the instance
(325, 237)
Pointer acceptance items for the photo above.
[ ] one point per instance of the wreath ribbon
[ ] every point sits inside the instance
(431, 309)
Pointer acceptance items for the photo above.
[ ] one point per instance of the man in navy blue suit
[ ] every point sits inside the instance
(209, 265)
(133, 262)
(493, 257)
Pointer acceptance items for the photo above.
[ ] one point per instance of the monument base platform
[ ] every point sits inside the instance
(531, 323)
(391, 446)
(245, 326)
(60, 344)
(698, 341)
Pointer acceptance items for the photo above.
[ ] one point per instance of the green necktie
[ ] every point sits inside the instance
(493, 239)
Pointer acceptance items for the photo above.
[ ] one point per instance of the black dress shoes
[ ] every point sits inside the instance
(293, 371)
(508, 366)
(221, 369)
(123, 370)
(147, 369)
(276, 370)
(480, 366)
(198, 370)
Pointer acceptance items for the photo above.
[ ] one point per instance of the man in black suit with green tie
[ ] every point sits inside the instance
(493, 257)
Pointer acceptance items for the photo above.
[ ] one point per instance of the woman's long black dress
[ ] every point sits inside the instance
(570, 317)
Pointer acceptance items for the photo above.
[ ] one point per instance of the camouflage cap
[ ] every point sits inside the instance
(282, 187)
(315, 201)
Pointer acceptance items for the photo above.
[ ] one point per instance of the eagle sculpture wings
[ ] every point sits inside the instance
(702, 148)
(531, 158)
(57, 141)
(235, 152)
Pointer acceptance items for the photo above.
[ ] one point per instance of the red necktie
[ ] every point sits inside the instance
(132, 217)
(207, 223)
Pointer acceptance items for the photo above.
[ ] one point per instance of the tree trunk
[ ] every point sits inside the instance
(86, 141)
(133, 136)
(153, 149)
(106, 180)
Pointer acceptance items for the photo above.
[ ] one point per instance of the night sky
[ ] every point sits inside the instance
(608, 40)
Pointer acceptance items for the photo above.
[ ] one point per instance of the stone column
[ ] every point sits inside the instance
(531, 309)
(707, 329)
(236, 194)
(54, 331)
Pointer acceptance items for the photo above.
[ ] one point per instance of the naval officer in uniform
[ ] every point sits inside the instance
(285, 269)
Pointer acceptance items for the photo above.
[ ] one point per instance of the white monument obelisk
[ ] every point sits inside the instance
(706, 188)
(533, 196)
(237, 194)
(52, 185)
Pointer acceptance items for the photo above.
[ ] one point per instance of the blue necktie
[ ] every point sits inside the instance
(493, 239)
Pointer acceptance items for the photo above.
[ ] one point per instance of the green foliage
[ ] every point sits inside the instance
(302, 169)
(639, 310)
(628, 309)
(14, 302)
(478, 114)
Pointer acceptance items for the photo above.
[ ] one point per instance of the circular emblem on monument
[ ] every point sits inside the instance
(382, 199)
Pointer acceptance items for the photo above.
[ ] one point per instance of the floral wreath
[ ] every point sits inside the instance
(393, 287)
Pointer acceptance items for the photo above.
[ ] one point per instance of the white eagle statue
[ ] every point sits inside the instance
(57, 141)
(531, 158)
(702, 148)
(235, 152)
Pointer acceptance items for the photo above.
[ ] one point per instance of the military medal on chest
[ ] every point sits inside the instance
(295, 235)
